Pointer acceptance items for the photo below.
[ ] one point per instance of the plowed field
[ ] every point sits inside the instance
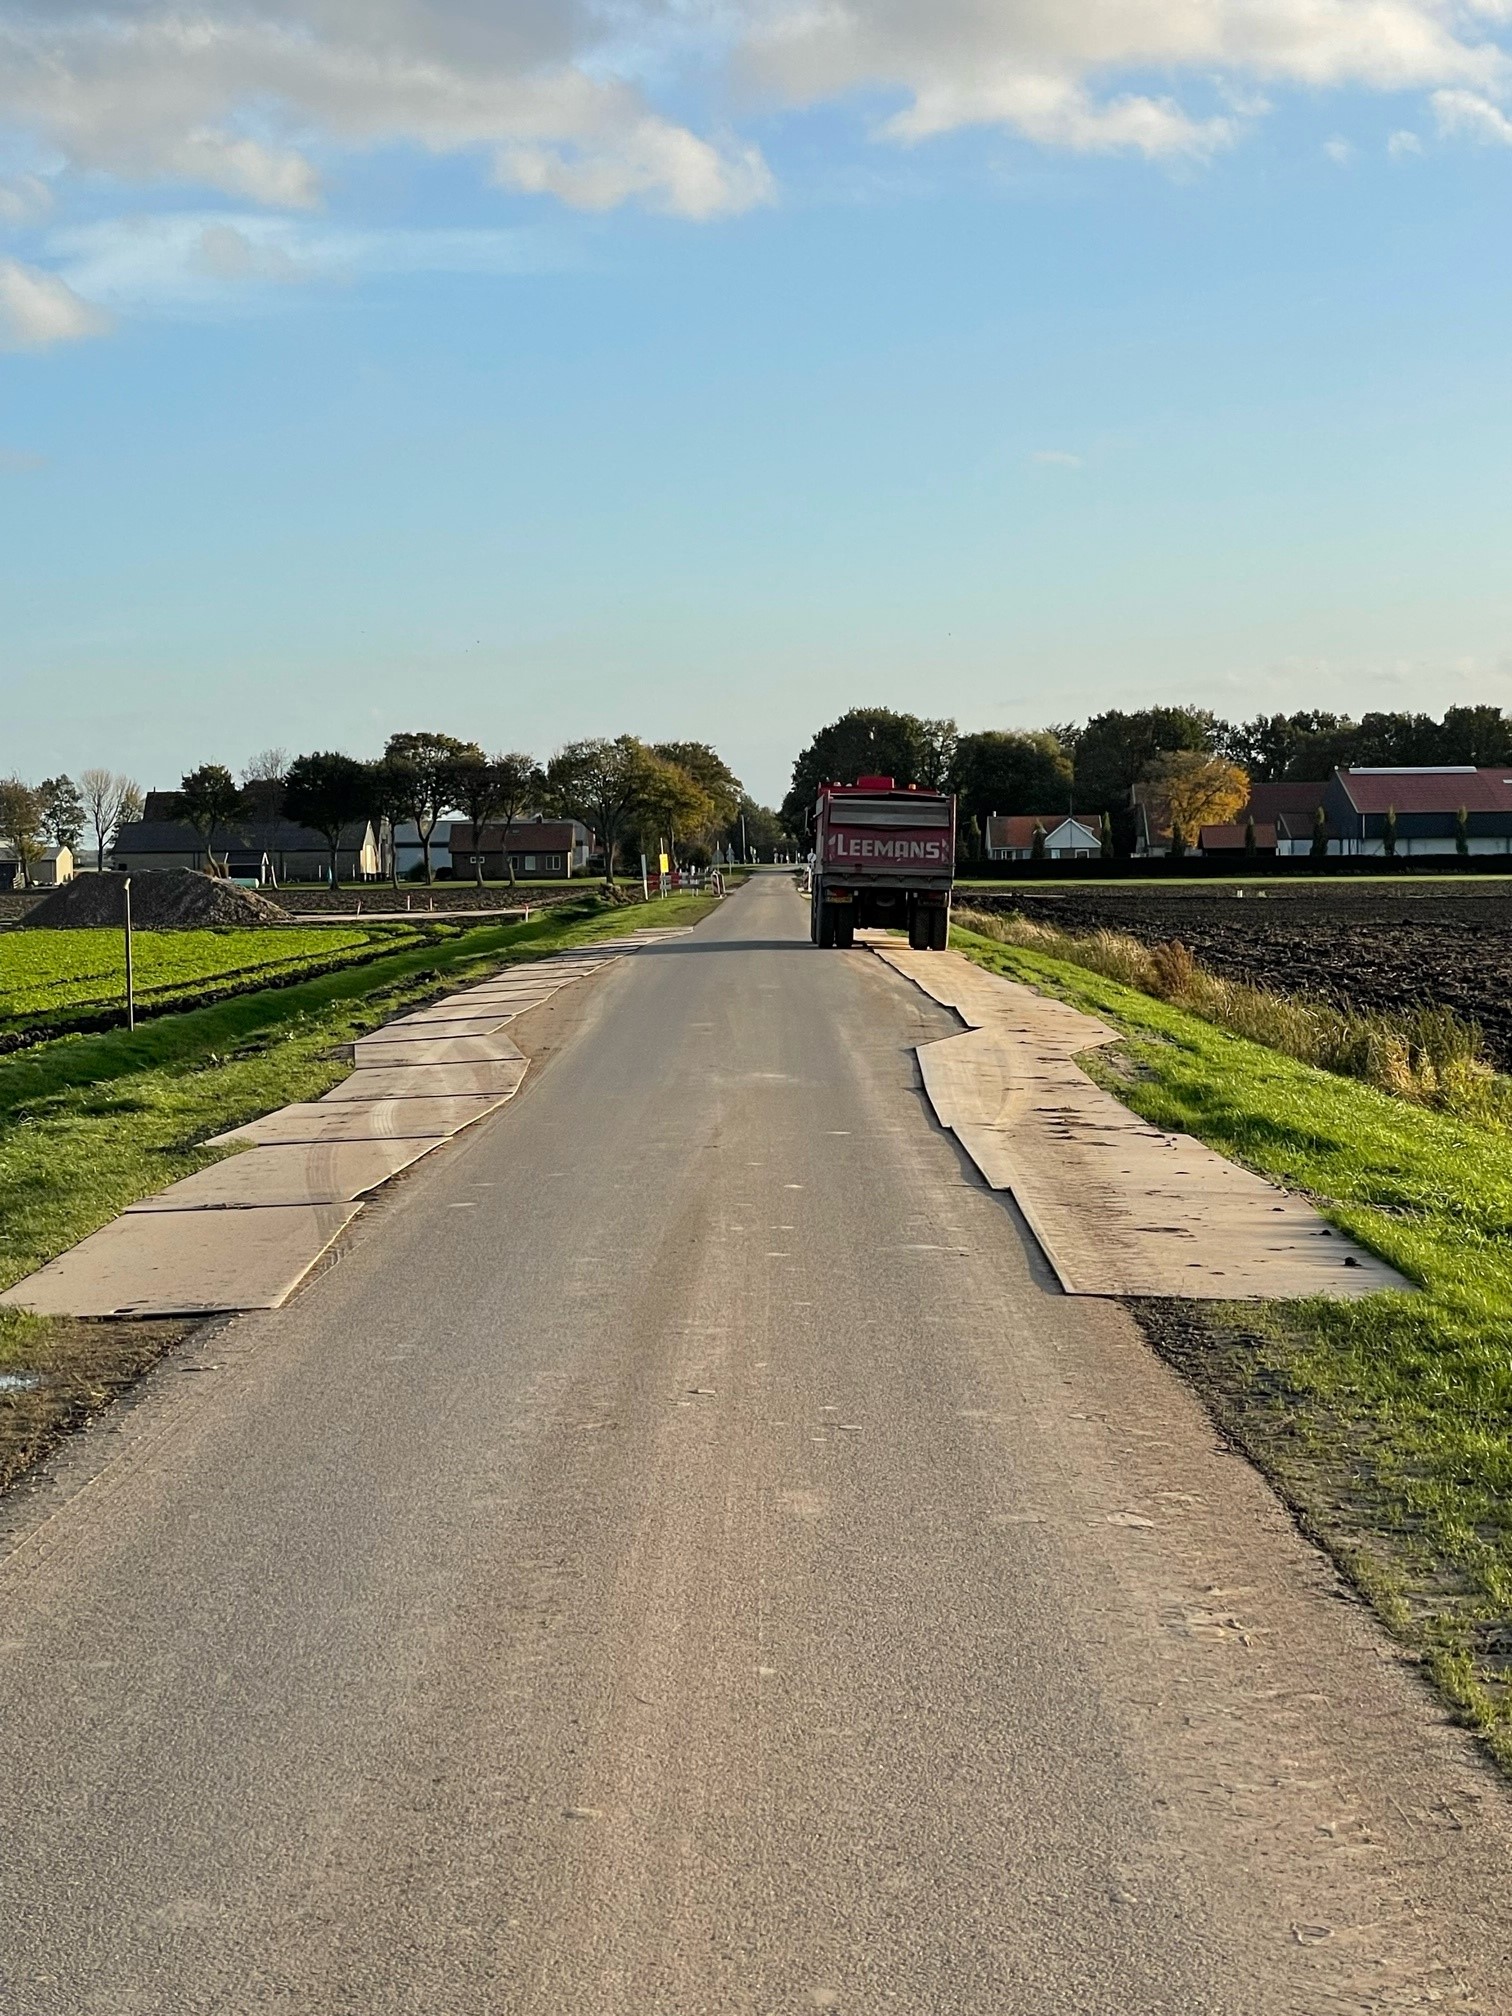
(1363, 945)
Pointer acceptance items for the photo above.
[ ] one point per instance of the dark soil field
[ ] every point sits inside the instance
(1362, 944)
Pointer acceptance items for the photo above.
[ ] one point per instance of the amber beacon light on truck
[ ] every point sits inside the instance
(883, 855)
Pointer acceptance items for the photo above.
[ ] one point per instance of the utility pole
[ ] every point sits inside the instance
(744, 851)
(130, 976)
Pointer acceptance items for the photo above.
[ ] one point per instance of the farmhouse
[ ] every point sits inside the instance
(1010, 837)
(264, 850)
(533, 848)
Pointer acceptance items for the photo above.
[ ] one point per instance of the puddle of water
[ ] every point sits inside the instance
(19, 1382)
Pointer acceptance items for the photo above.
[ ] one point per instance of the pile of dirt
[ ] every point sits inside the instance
(162, 899)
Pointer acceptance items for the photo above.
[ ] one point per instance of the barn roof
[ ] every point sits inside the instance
(1442, 788)
(1267, 802)
(281, 836)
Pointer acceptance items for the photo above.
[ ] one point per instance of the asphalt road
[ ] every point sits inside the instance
(685, 1559)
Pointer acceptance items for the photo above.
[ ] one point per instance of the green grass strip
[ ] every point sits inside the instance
(1390, 1418)
(91, 1124)
(52, 982)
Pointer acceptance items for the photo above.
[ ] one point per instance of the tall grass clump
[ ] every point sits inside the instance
(1427, 1055)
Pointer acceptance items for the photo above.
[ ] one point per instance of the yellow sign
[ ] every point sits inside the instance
(665, 863)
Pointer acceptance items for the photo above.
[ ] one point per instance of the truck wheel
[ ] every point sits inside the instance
(918, 929)
(826, 924)
(939, 929)
(845, 928)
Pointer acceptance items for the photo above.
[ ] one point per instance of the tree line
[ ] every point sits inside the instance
(59, 813)
(1186, 765)
(681, 795)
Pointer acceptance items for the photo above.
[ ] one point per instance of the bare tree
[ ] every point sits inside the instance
(110, 801)
(267, 766)
(264, 787)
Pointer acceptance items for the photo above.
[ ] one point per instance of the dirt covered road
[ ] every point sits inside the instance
(686, 1559)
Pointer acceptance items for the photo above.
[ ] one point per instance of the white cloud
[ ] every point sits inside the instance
(39, 309)
(1403, 144)
(1339, 151)
(1476, 118)
(247, 96)
(261, 101)
(667, 166)
(1059, 112)
(1060, 74)
(1057, 458)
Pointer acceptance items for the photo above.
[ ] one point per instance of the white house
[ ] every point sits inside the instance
(1067, 838)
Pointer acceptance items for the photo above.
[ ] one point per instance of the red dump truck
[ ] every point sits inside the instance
(883, 855)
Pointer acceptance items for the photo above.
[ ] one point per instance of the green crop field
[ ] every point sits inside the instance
(62, 979)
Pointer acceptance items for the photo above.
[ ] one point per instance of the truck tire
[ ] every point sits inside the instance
(826, 925)
(918, 928)
(845, 928)
(939, 929)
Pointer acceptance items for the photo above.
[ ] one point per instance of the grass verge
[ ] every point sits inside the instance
(91, 1124)
(1425, 1054)
(1387, 1423)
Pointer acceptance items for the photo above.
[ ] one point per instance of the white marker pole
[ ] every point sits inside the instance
(130, 976)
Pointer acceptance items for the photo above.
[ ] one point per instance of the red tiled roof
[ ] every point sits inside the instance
(1016, 829)
(526, 836)
(1219, 839)
(1438, 790)
(1270, 801)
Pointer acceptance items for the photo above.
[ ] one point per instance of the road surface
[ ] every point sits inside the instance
(686, 1559)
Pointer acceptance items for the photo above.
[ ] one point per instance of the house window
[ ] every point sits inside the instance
(530, 861)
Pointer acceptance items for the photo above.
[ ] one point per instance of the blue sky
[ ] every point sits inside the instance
(529, 372)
